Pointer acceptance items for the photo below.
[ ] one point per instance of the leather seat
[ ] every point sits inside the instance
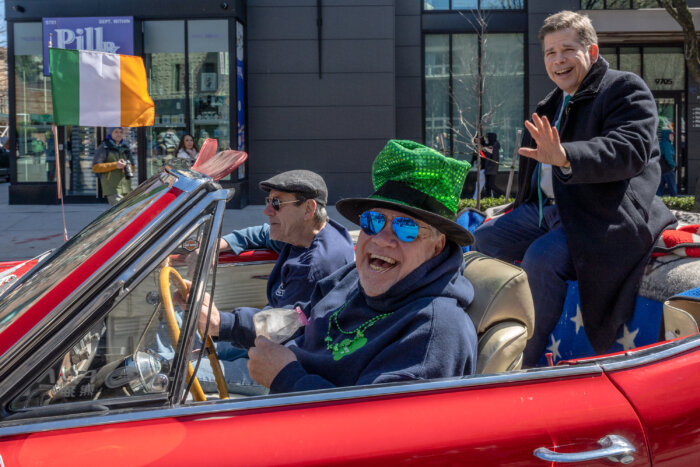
(502, 311)
(681, 316)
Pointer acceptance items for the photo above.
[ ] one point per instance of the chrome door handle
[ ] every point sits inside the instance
(614, 447)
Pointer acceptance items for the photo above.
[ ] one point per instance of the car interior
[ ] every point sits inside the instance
(131, 351)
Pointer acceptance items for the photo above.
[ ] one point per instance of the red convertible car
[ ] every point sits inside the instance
(82, 381)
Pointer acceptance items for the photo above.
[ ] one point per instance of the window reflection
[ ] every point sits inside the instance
(36, 161)
(472, 4)
(451, 117)
(209, 80)
(164, 57)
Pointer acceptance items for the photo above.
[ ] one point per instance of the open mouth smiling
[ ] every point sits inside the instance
(563, 72)
(381, 263)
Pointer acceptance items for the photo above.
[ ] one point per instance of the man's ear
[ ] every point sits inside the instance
(593, 52)
(440, 245)
(310, 209)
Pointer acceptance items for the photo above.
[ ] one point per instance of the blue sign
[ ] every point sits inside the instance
(113, 34)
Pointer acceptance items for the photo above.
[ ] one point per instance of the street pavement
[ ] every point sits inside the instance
(29, 230)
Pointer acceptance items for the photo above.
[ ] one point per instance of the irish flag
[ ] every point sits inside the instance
(99, 89)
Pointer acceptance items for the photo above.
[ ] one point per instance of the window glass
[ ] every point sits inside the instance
(465, 85)
(131, 350)
(36, 161)
(473, 4)
(501, 4)
(502, 66)
(617, 4)
(209, 80)
(610, 54)
(631, 60)
(664, 68)
(80, 147)
(645, 4)
(437, 99)
(592, 4)
(436, 5)
(464, 4)
(164, 57)
(502, 112)
(240, 94)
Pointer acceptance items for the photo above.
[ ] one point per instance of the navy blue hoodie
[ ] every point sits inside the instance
(297, 269)
(427, 335)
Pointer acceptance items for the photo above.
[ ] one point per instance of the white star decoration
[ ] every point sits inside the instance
(554, 348)
(578, 319)
(627, 339)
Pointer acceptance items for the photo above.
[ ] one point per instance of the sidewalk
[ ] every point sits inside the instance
(28, 230)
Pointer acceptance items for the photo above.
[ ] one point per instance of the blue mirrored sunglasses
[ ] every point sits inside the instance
(405, 228)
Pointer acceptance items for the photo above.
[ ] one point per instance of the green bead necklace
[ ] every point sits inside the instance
(347, 345)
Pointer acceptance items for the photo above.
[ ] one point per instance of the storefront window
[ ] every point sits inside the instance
(437, 98)
(465, 85)
(610, 54)
(617, 4)
(240, 95)
(631, 60)
(664, 68)
(36, 160)
(472, 4)
(208, 57)
(164, 57)
(451, 117)
(502, 112)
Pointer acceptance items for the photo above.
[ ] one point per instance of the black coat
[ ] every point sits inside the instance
(608, 208)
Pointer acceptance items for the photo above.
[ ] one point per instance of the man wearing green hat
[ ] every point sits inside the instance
(398, 313)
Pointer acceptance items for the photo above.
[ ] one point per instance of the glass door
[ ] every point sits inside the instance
(671, 132)
(164, 57)
(208, 58)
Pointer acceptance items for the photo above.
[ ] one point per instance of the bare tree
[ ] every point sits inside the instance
(473, 117)
(679, 11)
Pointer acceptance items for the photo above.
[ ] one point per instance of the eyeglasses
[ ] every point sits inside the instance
(405, 228)
(276, 203)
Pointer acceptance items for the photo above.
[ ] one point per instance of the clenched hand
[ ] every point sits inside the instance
(267, 359)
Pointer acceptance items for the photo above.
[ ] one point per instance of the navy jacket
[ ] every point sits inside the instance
(608, 208)
(426, 335)
(297, 269)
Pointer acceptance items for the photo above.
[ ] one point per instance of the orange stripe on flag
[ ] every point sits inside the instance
(137, 105)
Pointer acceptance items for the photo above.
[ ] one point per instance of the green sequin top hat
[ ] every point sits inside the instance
(416, 180)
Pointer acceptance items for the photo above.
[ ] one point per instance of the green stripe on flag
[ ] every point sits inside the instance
(65, 86)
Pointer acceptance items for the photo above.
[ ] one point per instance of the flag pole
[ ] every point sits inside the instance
(59, 188)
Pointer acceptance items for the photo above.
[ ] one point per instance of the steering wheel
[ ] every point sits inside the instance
(174, 331)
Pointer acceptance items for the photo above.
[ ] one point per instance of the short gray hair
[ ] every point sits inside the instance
(320, 214)
(570, 20)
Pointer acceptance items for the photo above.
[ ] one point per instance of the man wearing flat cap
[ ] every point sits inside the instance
(398, 312)
(310, 244)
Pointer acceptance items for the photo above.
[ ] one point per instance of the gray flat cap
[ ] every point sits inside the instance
(308, 184)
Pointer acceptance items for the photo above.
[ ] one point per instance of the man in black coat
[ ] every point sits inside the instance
(586, 208)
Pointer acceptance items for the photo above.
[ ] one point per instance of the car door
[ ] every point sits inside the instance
(484, 420)
(664, 393)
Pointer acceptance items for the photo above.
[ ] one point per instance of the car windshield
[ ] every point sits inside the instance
(45, 275)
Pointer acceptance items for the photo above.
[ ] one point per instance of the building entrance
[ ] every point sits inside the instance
(670, 105)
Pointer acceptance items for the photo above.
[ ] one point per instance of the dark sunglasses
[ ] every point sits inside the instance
(405, 228)
(276, 203)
